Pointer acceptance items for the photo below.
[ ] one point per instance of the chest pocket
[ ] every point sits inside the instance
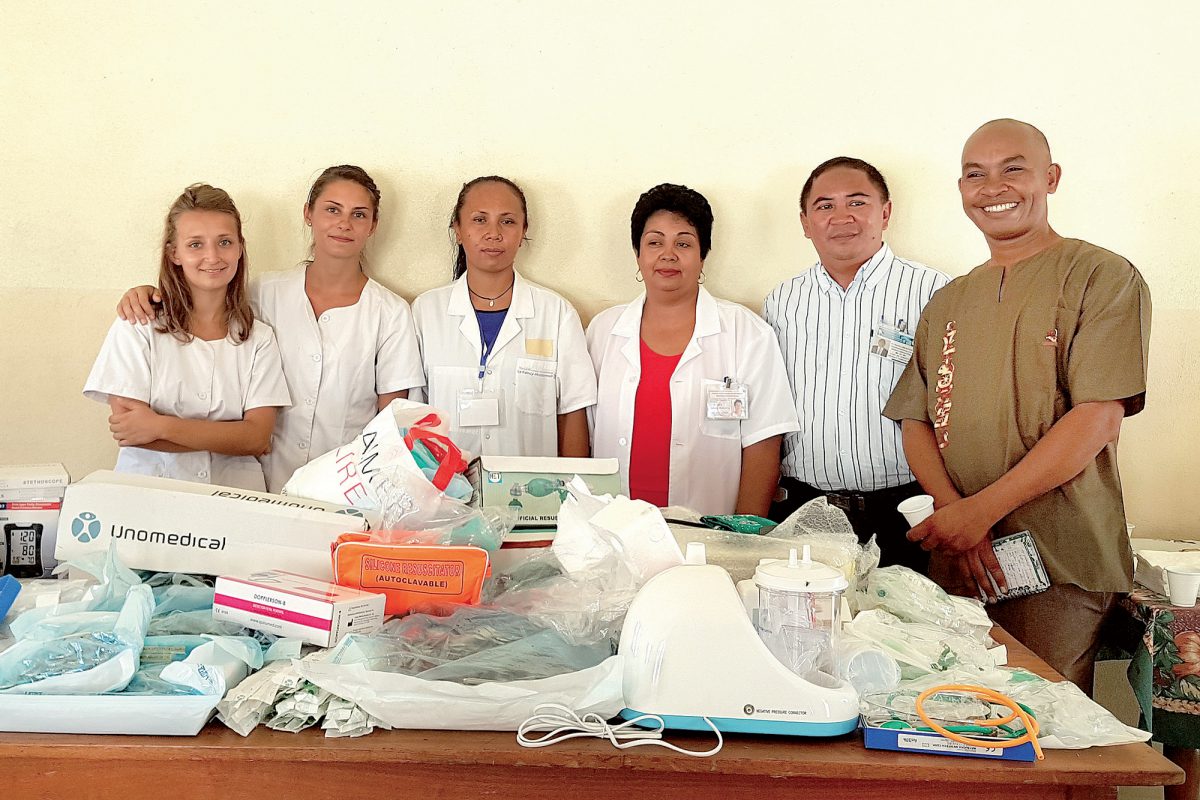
(537, 386)
(445, 383)
(720, 428)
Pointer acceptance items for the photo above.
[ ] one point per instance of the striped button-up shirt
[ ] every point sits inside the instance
(840, 386)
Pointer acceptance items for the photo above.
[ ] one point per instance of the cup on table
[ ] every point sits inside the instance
(916, 509)
(1183, 584)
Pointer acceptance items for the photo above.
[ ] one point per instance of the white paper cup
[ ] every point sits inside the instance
(1183, 584)
(916, 509)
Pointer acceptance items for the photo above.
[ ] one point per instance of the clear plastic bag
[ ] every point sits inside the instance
(919, 647)
(912, 597)
(67, 654)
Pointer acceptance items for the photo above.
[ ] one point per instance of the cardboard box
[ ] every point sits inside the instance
(30, 501)
(176, 526)
(532, 489)
(286, 604)
(913, 741)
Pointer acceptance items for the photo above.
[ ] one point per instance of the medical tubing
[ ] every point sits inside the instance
(1017, 712)
(561, 724)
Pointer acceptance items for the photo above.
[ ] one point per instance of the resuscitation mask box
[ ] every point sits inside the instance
(532, 489)
(30, 501)
(295, 606)
(908, 740)
(167, 525)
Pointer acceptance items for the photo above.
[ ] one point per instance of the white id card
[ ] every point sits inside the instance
(891, 343)
(477, 409)
(729, 400)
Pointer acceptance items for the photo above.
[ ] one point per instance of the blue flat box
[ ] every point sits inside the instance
(910, 741)
(9, 589)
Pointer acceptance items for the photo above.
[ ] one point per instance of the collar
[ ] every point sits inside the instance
(459, 302)
(629, 326)
(868, 275)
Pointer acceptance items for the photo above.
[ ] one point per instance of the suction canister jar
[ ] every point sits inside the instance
(799, 602)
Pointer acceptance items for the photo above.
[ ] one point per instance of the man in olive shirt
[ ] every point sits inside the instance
(1013, 401)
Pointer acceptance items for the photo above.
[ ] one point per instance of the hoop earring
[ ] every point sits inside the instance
(700, 280)
(637, 276)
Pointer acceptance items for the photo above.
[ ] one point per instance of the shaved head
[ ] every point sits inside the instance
(1037, 144)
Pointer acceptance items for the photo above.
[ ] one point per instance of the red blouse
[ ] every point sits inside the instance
(650, 452)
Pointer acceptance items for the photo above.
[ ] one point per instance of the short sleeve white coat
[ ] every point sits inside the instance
(538, 366)
(336, 365)
(728, 341)
(217, 381)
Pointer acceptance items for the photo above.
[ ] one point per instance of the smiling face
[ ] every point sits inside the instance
(1006, 176)
(845, 217)
(490, 227)
(668, 254)
(342, 219)
(207, 248)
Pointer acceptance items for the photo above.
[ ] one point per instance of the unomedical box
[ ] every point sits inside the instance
(176, 526)
(296, 606)
(532, 489)
(30, 500)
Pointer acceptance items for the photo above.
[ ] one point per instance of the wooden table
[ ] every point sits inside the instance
(455, 765)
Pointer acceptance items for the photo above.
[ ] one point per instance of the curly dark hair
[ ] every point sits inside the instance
(687, 203)
(873, 175)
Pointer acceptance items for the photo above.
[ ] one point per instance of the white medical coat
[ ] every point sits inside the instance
(538, 367)
(336, 366)
(728, 341)
(217, 381)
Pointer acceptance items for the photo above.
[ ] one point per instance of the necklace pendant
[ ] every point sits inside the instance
(491, 303)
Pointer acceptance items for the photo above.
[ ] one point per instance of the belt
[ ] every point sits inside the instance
(858, 501)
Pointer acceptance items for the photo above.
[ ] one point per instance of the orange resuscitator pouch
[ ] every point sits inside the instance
(410, 575)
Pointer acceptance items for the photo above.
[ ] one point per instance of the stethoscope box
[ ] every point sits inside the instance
(907, 740)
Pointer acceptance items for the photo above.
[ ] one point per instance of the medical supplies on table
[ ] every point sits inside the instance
(410, 575)
(1154, 556)
(297, 607)
(30, 500)
(532, 489)
(403, 459)
(174, 526)
(113, 660)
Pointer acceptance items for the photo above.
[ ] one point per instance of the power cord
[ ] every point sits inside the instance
(561, 724)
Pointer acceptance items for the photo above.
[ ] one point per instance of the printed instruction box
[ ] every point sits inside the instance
(532, 489)
(31, 498)
(286, 604)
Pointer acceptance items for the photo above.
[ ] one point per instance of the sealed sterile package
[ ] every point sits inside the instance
(81, 653)
(912, 597)
(919, 647)
(403, 701)
(1068, 719)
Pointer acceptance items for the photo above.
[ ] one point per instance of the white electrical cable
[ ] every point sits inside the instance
(561, 724)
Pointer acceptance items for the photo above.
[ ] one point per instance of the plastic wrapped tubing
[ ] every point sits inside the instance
(914, 598)
(1067, 718)
(919, 647)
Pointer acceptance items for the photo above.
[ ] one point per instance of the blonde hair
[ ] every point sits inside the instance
(173, 288)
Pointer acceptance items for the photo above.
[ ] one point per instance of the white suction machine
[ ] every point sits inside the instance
(694, 658)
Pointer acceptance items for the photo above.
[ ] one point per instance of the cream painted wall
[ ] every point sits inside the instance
(108, 110)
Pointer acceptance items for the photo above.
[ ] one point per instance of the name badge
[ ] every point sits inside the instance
(892, 343)
(478, 409)
(728, 400)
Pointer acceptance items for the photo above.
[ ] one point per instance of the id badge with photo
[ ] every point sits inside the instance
(478, 409)
(727, 400)
(893, 343)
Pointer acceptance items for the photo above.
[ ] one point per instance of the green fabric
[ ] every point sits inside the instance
(739, 523)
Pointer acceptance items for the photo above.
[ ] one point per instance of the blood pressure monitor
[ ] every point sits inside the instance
(23, 550)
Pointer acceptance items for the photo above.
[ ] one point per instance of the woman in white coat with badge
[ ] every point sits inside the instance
(506, 358)
(348, 343)
(693, 396)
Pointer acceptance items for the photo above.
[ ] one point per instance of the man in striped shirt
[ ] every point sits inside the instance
(845, 327)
